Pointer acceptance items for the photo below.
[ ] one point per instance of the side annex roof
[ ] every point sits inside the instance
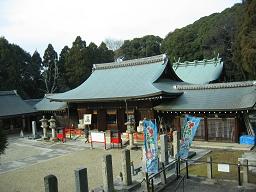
(11, 104)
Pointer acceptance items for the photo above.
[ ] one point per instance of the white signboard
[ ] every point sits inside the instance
(87, 119)
(223, 168)
(98, 137)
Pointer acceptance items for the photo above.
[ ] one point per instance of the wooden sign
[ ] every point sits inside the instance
(87, 119)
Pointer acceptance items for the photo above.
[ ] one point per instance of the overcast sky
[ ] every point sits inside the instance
(33, 24)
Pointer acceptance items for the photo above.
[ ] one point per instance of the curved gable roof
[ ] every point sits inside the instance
(123, 80)
(199, 72)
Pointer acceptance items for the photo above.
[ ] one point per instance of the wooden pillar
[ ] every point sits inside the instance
(102, 120)
(81, 111)
(236, 131)
(179, 128)
(120, 120)
(206, 128)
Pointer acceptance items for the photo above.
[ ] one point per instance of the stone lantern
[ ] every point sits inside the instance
(44, 125)
(52, 126)
(130, 130)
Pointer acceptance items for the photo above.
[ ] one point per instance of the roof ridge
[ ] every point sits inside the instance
(133, 62)
(217, 85)
(12, 92)
(215, 60)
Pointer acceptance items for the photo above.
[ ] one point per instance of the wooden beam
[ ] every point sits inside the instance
(206, 128)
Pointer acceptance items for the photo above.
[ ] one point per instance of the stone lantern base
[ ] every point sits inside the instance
(131, 141)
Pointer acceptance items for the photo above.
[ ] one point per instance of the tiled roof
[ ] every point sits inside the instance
(216, 85)
(199, 72)
(120, 81)
(214, 97)
(47, 105)
(32, 102)
(11, 104)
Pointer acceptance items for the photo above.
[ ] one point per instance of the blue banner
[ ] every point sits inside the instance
(150, 144)
(189, 130)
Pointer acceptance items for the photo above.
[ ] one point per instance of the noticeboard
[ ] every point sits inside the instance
(87, 119)
(223, 168)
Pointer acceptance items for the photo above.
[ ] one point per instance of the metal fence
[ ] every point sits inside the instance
(176, 173)
(167, 174)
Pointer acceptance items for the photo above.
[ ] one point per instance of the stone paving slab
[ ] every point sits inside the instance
(217, 145)
(23, 152)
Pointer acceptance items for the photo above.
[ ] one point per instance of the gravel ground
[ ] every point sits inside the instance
(30, 178)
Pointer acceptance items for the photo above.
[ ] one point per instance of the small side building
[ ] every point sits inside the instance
(15, 113)
(51, 108)
(224, 108)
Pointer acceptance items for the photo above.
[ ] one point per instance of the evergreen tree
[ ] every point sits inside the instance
(245, 44)
(35, 87)
(15, 69)
(105, 55)
(62, 83)
(50, 71)
(93, 53)
(76, 65)
(140, 47)
(206, 38)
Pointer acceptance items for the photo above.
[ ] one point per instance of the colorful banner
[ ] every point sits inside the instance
(150, 144)
(189, 130)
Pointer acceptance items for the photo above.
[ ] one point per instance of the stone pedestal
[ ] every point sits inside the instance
(52, 126)
(81, 180)
(34, 132)
(107, 173)
(164, 149)
(51, 183)
(126, 167)
(131, 141)
(244, 165)
(130, 130)
(45, 133)
(44, 125)
(176, 143)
